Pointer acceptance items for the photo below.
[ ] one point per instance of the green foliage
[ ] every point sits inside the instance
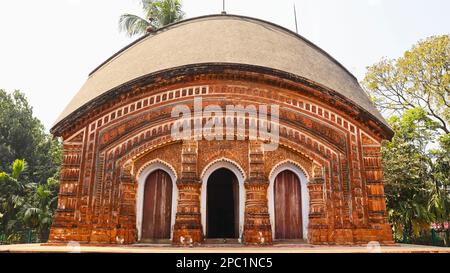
(158, 13)
(421, 78)
(28, 186)
(17, 168)
(415, 91)
(37, 213)
(12, 197)
(23, 136)
(406, 173)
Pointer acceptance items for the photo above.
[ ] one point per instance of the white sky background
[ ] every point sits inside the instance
(48, 47)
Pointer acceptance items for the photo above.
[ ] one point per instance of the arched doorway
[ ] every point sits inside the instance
(288, 206)
(288, 196)
(239, 202)
(142, 177)
(157, 207)
(222, 206)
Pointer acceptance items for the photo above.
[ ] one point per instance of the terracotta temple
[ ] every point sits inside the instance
(125, 179)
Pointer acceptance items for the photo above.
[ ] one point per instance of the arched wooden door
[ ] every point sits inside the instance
(288, 206)
(157, 208)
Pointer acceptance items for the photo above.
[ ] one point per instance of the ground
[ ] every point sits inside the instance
(278, 248)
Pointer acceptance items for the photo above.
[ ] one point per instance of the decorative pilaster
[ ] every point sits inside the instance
(125, 222)
(188, 227)
(318, 226)
(257, 228)
(375, 197)
(103, 230)
(65, 221)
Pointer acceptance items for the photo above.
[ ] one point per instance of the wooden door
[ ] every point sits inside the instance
(157, 211)
(288, 206)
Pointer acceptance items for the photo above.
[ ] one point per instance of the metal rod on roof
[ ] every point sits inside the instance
(223, 7)
(295, 15)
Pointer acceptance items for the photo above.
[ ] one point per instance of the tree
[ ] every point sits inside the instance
(23, 136)
(421, 78)
(406, 169)
(37, 212)
(12, 197)
(158, 13)
(28, 187)
(26, 205)
(415, 89)
(439, 202)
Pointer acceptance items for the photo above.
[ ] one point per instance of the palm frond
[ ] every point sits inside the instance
(146, 4)
(162, 12)
(32, 217)
(169, 11)
(17, 168)
(133, 24)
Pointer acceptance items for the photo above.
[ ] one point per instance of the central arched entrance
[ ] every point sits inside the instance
(222, 205)
(222, 200)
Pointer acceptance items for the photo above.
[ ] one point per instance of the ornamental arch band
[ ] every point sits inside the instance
(126, 180)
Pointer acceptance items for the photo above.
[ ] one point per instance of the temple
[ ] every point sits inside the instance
(125, 179)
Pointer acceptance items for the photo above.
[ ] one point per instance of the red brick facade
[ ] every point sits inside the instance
(335, 143)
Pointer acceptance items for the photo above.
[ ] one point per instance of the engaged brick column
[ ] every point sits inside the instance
(257, 228)
(188, 227)
(126, 220)
(317, 227)
(380, 229)
(65, 226)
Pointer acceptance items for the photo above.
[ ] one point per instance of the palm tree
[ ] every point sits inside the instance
(37, 214)
(12, 196)
(158, 13)
(25, 205)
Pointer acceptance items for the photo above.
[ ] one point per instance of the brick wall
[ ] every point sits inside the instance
(338, 152)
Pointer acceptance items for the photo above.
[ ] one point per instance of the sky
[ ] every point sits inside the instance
(48, 47)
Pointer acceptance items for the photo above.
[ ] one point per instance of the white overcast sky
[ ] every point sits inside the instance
(48, 47)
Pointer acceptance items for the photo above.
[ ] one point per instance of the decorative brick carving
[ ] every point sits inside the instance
(257, 228)
(67, 218)
(125, 216)
(338, 151)
(188, 227)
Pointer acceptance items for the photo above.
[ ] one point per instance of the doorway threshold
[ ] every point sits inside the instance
(222, 241)
(154, 242)
(290, 242)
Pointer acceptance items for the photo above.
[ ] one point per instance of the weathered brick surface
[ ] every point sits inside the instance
(105, 150)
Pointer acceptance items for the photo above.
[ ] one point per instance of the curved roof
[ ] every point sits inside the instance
(221, 39)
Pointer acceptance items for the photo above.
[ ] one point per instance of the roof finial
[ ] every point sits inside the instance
(223, 7)
(295, 15)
